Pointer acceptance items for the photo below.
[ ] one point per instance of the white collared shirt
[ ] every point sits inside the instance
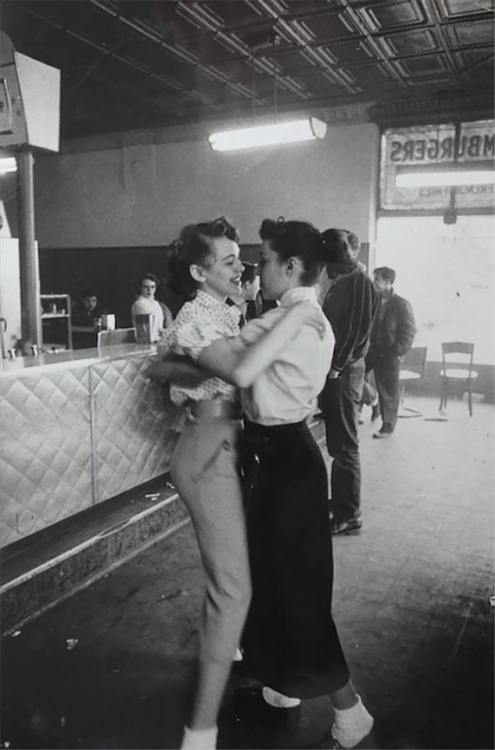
(147, 306)
(287, 391)
(199, 323)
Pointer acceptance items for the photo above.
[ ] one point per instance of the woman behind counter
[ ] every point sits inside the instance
(146, 304)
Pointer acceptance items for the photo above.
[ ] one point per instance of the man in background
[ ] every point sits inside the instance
(85, 317)
(247, 299)
(391, 337)
(349, 301)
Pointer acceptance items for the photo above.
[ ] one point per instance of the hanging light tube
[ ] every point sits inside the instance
(269, 135)
(440, 175)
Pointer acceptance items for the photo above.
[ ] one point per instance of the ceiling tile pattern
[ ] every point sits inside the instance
(132, 64)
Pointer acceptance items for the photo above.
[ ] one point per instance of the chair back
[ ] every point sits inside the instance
(451, 351)
(457, 347)
(414, 363)
(116, 337)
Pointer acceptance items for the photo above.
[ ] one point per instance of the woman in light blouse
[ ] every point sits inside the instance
(207, 270)
(146, 304)
(290, 642)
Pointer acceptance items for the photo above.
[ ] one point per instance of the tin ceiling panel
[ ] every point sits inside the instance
(150, 63)
(329, 26)
(476, 66)
(413, 43)
(233, 12)
(426, 66)
(351, 52)
(456, 9)
(471, 33)
(383, 16)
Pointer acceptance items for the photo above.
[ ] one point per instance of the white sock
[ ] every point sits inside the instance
(199, 739)
(352, 725)
(238, 656)
(279, 700)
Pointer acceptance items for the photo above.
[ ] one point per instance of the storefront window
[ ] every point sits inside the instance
(447, 272)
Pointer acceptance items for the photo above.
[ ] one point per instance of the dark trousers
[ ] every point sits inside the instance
(369, 393)
(387, 371)
(290, 640)
(339, 403)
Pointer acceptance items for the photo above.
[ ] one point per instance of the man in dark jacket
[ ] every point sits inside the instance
(350, 305)
(391, 337)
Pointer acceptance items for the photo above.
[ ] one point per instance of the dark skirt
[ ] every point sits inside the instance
(290, 641)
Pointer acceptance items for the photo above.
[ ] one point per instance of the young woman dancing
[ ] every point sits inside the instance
(204, 465)
(290, 642)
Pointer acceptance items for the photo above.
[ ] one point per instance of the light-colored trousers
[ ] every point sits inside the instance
(205, 472)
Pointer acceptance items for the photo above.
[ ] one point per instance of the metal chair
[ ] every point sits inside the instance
(457, 369)
(116, 337)
(412, 369)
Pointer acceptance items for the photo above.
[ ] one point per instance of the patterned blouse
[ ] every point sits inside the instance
(198, 324)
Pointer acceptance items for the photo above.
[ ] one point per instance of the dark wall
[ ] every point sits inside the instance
(112, 273)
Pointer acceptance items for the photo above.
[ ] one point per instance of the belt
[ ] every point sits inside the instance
(215, 409)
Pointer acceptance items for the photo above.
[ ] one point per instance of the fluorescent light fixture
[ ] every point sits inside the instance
(439, 175)
(8, 164)
(269, 135)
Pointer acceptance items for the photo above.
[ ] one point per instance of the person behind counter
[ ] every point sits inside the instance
(146, 304)
(84, 318)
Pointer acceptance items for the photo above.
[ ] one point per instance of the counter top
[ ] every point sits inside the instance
(66, 358)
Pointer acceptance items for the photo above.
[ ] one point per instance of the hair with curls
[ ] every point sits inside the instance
(269, 228)
(296, 239)
(385, 273)
(338, 244)
(249, 273)
(194, 247)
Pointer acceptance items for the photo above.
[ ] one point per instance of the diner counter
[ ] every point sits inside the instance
(78, 427)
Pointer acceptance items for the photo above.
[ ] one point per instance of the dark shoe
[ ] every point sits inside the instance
(375, 412)
(351, 526)
(382, 434)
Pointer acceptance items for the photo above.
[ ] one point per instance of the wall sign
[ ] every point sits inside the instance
(434, 144)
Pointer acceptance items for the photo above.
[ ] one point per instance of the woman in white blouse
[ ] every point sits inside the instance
(207, 270)
(290, 641)
(146, 304)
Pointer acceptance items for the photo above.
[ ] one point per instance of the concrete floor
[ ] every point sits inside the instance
(412, 604)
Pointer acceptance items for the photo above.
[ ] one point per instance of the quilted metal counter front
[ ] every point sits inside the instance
(75, 435)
